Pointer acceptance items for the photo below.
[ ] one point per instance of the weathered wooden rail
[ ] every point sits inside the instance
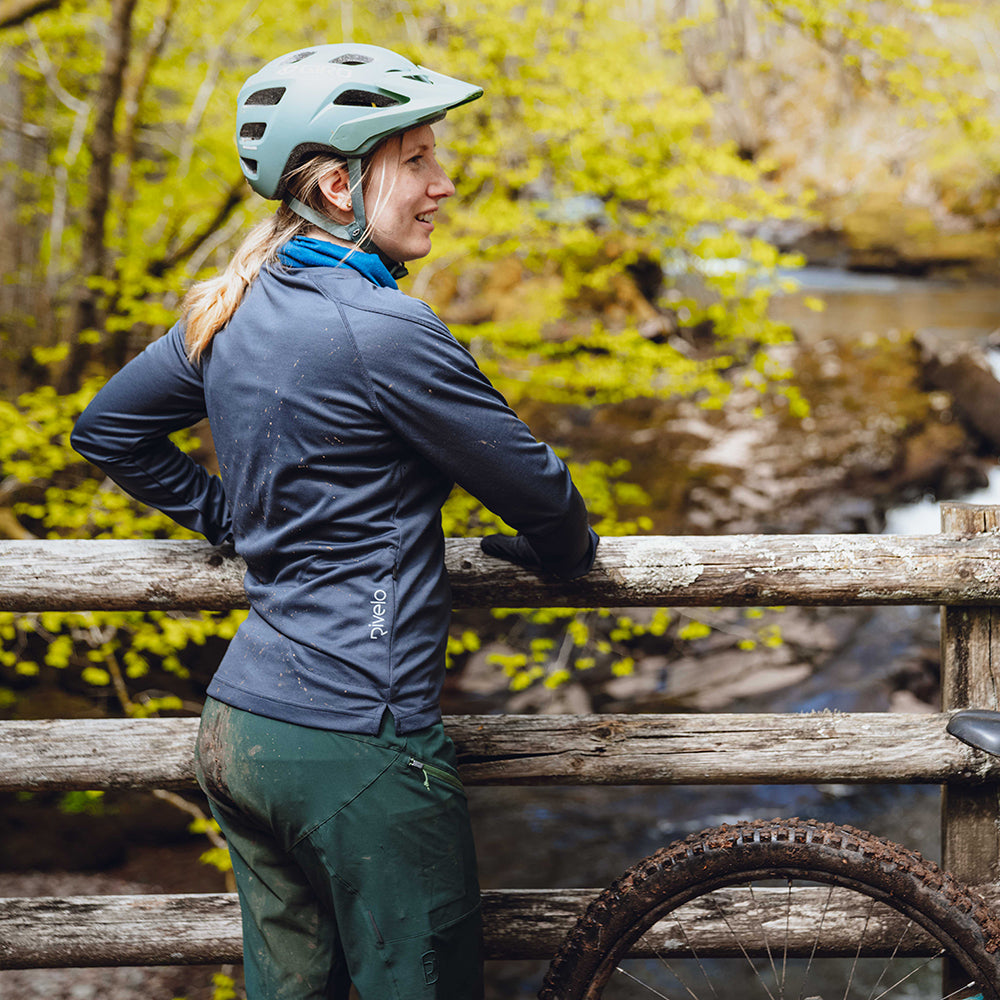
(688, 571)
(959, 570)
(859, 748)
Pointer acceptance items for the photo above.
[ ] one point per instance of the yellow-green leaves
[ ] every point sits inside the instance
(694, 630)
(596, 128)
(591, 129)
(53, 493)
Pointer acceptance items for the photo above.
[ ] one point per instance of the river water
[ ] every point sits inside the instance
(857, 304)
(585, 837)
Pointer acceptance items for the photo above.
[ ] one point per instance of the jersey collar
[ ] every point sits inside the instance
(304, 251)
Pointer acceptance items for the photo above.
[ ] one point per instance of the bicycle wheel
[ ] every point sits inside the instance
(779, 910)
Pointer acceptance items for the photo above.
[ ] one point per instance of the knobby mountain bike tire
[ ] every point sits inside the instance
(781, 909)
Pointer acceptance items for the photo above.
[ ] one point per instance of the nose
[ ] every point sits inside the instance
(440, 185)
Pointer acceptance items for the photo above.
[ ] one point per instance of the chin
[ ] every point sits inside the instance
(415, 254)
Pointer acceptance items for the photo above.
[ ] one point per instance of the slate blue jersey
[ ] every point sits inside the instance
(342, 412)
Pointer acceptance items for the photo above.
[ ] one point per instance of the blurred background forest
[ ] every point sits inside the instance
(720, 253)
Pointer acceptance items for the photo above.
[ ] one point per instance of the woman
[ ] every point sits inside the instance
(342, 411)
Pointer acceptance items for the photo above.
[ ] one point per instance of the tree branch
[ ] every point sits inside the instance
(15, 12)
(60, 197)
(235, 196)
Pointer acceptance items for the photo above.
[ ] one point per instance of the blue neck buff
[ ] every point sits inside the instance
(304, 251)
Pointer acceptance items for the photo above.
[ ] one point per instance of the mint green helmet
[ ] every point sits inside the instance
(341, 99)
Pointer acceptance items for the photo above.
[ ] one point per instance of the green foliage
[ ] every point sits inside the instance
(554, 646)
(598, 367)
(899, 49)
(604, 486)
(217, 858)
(465, 642)
(225, 987)
(55, 495)
(592, 135)
(175, 170)
(586, 107)
(90, 803)
(638, 142)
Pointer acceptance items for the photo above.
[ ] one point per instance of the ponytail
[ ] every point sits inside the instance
(209, 305)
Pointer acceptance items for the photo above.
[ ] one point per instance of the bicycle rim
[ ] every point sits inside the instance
(781, 910)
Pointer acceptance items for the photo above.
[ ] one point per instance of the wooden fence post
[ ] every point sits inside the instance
(970, 678)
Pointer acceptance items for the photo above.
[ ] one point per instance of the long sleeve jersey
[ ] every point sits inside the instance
(342, 412)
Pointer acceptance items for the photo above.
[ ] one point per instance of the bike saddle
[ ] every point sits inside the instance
(979, 727)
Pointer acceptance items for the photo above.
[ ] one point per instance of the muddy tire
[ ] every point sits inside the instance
(772, 891)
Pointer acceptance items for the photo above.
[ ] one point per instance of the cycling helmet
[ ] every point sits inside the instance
(341, 99)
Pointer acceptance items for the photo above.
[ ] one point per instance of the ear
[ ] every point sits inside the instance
(335, 188)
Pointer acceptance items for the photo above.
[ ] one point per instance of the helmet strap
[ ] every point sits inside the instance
(352, 232)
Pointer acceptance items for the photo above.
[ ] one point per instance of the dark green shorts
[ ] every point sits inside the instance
(353, 858)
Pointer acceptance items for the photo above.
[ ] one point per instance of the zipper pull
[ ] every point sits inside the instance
(413, 762)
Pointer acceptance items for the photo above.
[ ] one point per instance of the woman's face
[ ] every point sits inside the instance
(404, 196)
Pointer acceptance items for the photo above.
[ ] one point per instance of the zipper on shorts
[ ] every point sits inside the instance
(430, 769)
(379, 940)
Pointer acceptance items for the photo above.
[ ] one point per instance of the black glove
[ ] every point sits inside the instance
(513, 548)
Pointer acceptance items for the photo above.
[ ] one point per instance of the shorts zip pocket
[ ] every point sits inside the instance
(379, 940)
(430, 769)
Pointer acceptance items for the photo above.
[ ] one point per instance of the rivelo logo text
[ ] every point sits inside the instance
(377, 626)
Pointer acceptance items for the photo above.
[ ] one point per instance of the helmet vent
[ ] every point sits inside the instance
(253, 130)
(251, 165)
(298, 57)
(269, 96)
(352, 59)
(365, 99)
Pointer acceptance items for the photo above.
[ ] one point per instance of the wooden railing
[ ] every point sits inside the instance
(958, 569)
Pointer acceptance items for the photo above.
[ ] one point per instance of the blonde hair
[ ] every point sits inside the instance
(209, 305)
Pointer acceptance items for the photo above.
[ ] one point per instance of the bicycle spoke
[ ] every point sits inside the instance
(779, 978)
(885, 968)
(912, 973)
(788, 924)
(645, 986)
(696, 957)
(763, 935)
(856, 913)
(739, 942)
(815, 944)
(961, 989)
(861, 942)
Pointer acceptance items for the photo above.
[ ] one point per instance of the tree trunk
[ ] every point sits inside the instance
(93, 248)
(24, 310)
